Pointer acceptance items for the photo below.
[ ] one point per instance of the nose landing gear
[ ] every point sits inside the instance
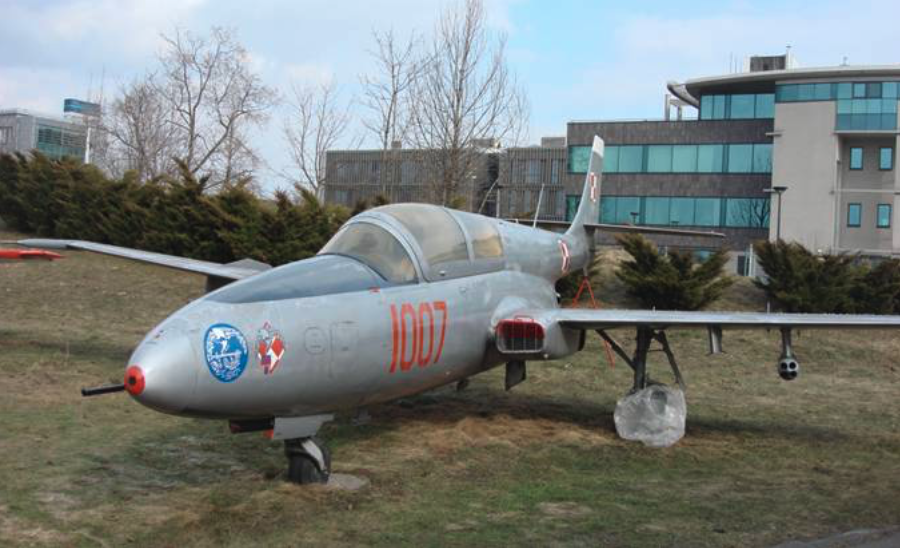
(309, 460)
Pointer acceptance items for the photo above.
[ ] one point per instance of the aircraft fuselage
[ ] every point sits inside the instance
(319, 354)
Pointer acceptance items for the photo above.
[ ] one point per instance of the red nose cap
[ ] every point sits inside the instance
(134, 380)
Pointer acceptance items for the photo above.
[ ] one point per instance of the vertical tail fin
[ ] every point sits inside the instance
(589, 208)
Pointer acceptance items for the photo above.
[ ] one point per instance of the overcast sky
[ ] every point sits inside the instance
(578, 59)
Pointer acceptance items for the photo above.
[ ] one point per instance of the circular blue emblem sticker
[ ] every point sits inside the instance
(226, 352)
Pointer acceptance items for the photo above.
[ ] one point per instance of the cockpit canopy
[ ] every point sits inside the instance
(375, 247)
(447, 243)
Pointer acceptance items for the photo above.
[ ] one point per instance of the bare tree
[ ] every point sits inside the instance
(211, 94)
(317, 122)
(384, 96)
(463, 96)
(138, 131)
(237, 161)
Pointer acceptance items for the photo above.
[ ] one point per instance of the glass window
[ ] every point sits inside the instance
(719, 107)
(886, 158)
(845, 90)
(681, 211)
(706, 107)
(656, 211)
(572, 201)
(873, 90)
(607, 209)
(844, 121)
(844, 106)
(707, 211)
(554, 171)
(884, 216)
(532, 172)
(747, 212)
(628, 210)
(486, 243)
(873, 106)
(806, 92)
(659, 159)
(375, 247)
(611, 159)
(742, 106)
(579, 158)
(822, 92)
(710, 158)
(684, 158)
(438, 235)
(407, 172)
(856, 158)
(740, 158)
(765, 105)
(786, 93)
(859, 90)
(762, 158)
(854, 215)
(631, 159)
(889, 90)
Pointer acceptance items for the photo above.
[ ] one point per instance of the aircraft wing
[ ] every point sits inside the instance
(218, 274)
(672, 319)
(553, 333)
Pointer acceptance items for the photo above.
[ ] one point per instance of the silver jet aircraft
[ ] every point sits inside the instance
(404, 298)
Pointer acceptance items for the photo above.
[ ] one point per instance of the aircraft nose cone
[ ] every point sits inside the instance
(134, 380)
(163, 373)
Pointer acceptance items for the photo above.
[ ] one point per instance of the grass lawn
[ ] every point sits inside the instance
(764, 461)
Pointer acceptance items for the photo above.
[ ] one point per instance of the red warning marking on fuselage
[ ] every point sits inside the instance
(566, 259)
(409, 336)
(592, 178)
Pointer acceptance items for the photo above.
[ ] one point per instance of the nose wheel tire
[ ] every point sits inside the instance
(309, 461)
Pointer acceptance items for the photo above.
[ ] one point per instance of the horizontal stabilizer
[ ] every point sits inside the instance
(604, 227)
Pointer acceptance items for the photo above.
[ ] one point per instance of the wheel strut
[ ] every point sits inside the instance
(309, 460)
(638, 361)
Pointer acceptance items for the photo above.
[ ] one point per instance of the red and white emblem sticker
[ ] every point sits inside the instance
(564, 249)
(592, 179)
(269, 348)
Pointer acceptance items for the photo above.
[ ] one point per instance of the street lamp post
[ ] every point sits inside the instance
(777, 190)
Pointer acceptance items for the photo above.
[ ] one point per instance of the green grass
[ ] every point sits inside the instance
(763, 461)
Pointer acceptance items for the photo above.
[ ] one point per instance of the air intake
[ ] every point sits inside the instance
(520, 335)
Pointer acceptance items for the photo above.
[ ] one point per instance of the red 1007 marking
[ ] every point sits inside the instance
(410, 337)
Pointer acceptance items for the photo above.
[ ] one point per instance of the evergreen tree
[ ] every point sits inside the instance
(798, 281)
(673, 282)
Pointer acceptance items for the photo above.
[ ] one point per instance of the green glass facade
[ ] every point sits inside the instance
(861, 106)
(742, 106)
(707, 158)
(57, 143)
(714, 212)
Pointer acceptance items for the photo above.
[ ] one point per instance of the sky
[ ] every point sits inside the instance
(576, 59)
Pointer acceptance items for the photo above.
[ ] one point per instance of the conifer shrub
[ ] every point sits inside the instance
(671, 282)
(172, 215)
(796, 280)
